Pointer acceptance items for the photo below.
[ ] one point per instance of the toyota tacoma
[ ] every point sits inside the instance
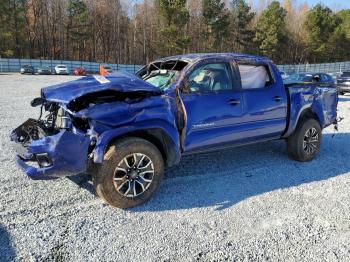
(125, 129)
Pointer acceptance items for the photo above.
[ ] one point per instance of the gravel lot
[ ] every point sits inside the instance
(250, 203)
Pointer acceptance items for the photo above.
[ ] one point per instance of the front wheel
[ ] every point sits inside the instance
(132, 171)
(304, 144)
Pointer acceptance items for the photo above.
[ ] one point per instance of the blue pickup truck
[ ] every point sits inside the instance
(124, 129)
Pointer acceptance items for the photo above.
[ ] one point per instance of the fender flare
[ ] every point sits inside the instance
(303, 110)
(107, 137)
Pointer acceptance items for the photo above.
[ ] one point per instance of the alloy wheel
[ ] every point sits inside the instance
(311, 141)
(133, 175)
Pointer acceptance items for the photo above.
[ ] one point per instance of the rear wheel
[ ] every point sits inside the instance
(304, 144)
(131, 172)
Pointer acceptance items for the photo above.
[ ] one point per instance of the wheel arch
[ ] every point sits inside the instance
(304, 113)
(157, 136)
(308, 113)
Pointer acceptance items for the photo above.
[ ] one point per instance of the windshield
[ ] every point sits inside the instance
(161, 80)
(300, 78)
(162, 74)
(61, 67)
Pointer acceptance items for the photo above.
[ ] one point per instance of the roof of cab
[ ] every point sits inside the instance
(200, 56)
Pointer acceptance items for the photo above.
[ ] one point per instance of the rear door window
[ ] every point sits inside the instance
(254, 76)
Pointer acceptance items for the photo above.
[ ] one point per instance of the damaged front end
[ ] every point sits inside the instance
(78, 120)
(50, 148)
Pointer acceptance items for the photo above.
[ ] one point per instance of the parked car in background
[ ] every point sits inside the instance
(80, 71)
(44, 70)
(343, 82)
(125, 129)
(61, 70)
(284, 75)
(27, 69)
(309, 78)
(334, 76)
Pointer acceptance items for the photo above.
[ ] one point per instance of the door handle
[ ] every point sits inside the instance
(234, 102)
(277, 98)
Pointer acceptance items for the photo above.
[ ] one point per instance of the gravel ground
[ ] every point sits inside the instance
(242, 204)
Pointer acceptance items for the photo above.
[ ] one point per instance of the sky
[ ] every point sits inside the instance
(334, 4)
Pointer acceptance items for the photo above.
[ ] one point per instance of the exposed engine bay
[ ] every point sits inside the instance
(77, 119)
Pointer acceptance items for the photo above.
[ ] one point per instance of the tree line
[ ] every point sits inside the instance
(125, 32)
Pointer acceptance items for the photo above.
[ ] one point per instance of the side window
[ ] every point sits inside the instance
(254, 77)
(210, 77)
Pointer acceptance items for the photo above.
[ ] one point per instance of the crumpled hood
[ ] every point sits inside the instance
(117, 81)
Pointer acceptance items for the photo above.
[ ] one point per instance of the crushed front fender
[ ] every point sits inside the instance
(50, 157)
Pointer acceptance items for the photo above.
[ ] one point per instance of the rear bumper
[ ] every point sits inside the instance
(62, 73)
(62, 154)
(27, 72)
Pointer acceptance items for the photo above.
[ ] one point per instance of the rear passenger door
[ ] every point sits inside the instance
(264, 100)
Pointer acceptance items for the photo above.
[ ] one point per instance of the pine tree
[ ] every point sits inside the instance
(241, 26)
(340, 39)
(175, 17)
(344, 16)
(320, 25)
(78, 27)
(216, 19)
(12, 28)
(271, 33)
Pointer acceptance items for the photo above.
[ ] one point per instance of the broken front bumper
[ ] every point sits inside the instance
(62, 154)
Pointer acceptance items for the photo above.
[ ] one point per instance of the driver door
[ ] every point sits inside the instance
(213, 106)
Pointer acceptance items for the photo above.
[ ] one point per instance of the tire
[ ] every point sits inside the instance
(342, 93)
(304, 144)
(127, 187)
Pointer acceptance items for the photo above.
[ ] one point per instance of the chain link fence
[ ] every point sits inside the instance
(330, 68)
(14, 65)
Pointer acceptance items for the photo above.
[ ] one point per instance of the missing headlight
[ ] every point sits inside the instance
(43, 160)
(63, 120)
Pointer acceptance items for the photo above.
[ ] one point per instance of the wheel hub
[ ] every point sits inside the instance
(133, 174)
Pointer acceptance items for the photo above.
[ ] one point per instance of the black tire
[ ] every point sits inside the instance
(342, 93)
(304, 144)
(105, 175)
